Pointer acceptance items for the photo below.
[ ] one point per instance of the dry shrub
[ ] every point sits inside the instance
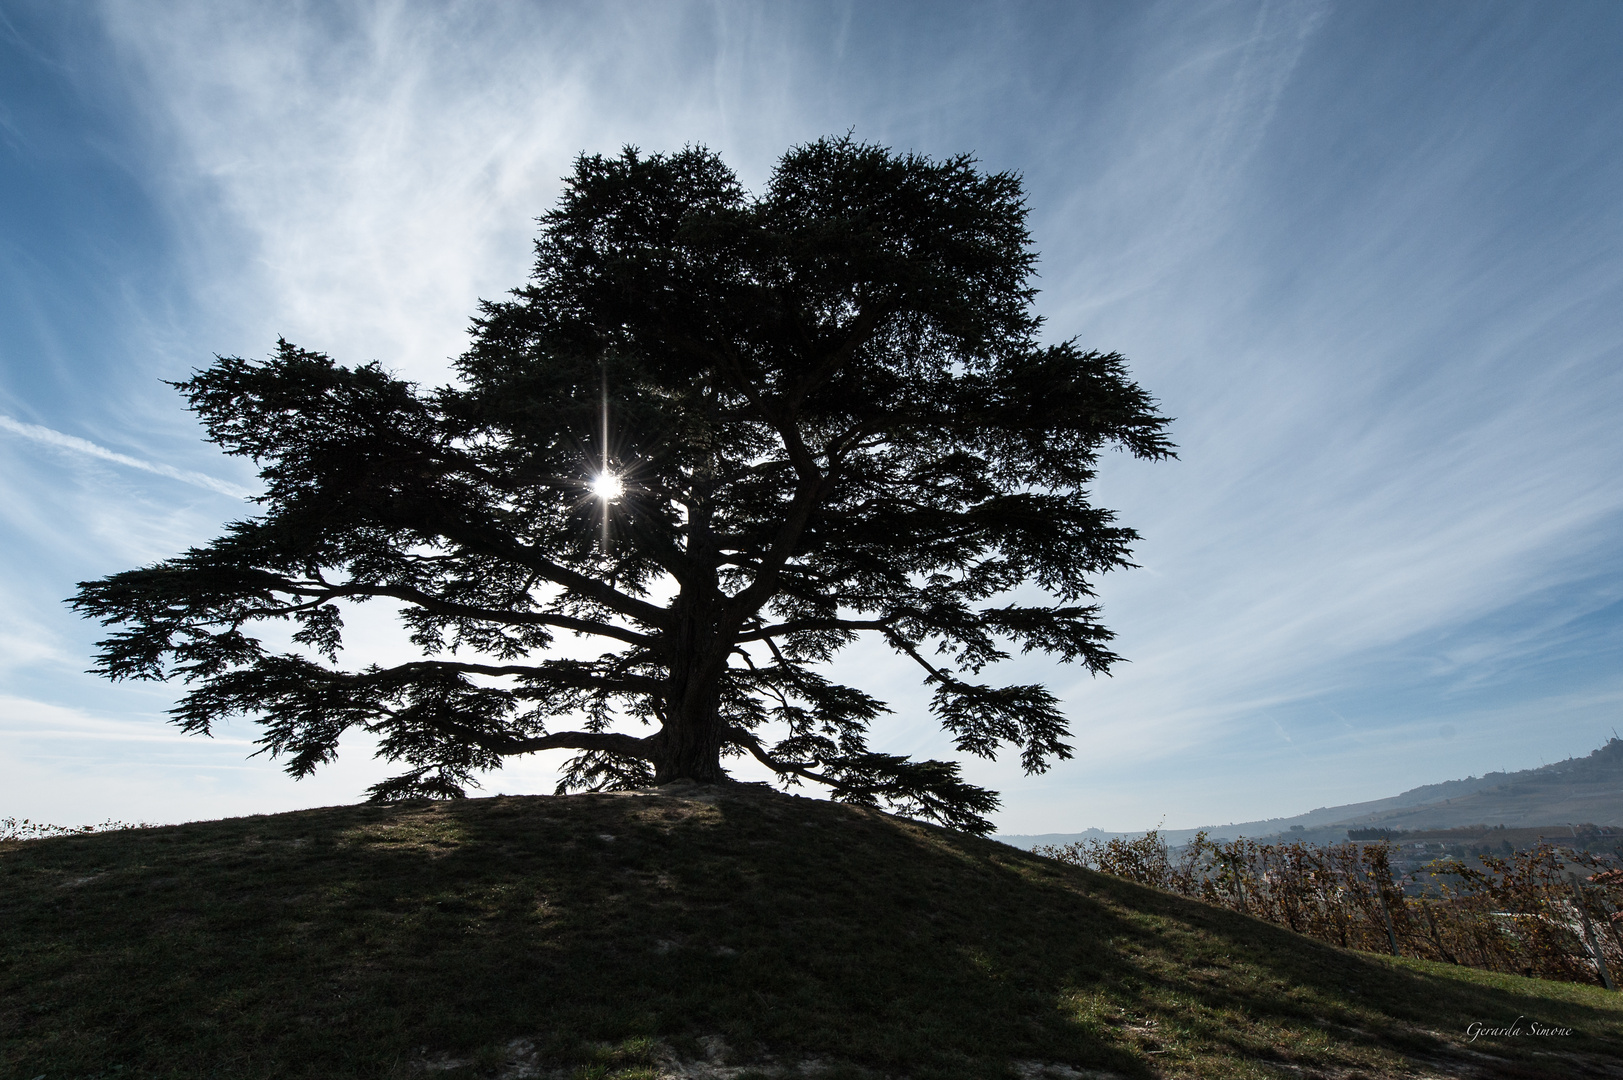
(1519, 914)
(13, 829)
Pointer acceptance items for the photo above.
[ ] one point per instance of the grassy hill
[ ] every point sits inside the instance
(728, 932)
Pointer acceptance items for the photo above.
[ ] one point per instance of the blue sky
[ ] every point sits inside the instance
(1369, 255)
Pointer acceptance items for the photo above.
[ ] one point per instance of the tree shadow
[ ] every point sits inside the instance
(362, 941)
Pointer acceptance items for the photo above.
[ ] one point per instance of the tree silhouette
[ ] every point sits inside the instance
(717, 437)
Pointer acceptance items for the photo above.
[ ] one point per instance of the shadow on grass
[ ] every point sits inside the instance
(364, 941)
(1309, 1004)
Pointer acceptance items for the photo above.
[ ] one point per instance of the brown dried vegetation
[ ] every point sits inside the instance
(1549, 912)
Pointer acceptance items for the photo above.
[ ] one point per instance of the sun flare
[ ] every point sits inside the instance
(607, 486)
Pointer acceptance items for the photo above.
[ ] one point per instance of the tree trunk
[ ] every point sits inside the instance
(688, 746)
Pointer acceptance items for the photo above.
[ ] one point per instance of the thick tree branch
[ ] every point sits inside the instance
(937, 675)
(858, 333)
(750, 742)
(765, 585)
(507, 745)
(591, 588)
(798, 625)
(572, 677)
(429, 602)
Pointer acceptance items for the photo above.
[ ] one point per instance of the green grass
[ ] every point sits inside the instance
(606, 935)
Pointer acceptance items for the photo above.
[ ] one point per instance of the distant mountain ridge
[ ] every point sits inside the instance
(1577, 790)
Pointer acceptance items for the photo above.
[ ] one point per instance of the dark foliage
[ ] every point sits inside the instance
(829, 416)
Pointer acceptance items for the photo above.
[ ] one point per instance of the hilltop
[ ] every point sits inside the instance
(699, 932)
(1577, 790)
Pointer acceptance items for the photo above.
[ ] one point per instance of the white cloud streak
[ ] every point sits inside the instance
(73, 444)
(380, 165)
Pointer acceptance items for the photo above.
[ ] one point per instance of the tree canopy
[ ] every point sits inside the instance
(717, 437)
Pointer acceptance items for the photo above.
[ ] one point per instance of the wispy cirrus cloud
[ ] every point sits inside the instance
(75, 445)
(373, 169)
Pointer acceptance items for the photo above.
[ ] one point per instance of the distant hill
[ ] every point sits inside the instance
(1577, 790)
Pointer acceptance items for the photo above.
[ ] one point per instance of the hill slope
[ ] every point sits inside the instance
(674, 933)
(1586, 789)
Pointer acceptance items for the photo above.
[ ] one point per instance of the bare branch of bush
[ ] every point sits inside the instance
(13, 829)
(1517, 914)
